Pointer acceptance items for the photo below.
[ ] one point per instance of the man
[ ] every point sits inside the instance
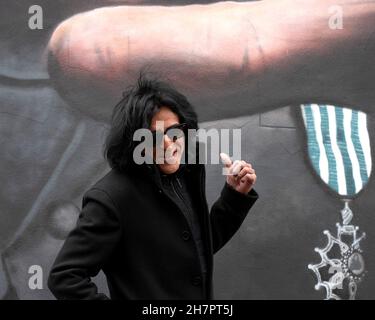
(148, 226)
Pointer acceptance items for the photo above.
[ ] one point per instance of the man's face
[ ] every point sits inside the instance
(170, 151)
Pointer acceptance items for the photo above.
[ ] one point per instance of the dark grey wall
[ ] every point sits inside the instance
(51, 154)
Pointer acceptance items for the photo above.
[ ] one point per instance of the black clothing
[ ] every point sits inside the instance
(146, 238)
(176, 186)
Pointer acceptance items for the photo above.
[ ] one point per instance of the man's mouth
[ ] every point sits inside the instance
(172, 158)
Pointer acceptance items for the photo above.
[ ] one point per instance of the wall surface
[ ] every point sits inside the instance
(53, 121)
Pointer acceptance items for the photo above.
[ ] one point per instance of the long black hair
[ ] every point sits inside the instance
(135, 111)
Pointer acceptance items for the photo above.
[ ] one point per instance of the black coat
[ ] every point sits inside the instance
(135, 233)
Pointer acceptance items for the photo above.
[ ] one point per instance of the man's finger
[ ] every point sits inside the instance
(243, 172)
(236, 167)
(248, 165)
(250, 177)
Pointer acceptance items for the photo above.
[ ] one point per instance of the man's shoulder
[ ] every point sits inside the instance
(112, 178)
(112, 187)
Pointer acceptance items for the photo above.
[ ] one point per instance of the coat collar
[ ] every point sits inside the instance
(153, 172)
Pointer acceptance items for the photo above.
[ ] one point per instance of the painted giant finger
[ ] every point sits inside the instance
(231, 58)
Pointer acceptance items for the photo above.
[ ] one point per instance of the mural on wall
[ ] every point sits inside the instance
(279, 77)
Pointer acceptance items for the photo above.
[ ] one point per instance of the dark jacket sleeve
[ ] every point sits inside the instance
(228, 213)
(86, 249)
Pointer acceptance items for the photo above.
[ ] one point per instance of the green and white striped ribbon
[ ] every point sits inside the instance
(338, 146)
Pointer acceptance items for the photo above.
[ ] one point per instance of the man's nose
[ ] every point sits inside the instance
(167, 141)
